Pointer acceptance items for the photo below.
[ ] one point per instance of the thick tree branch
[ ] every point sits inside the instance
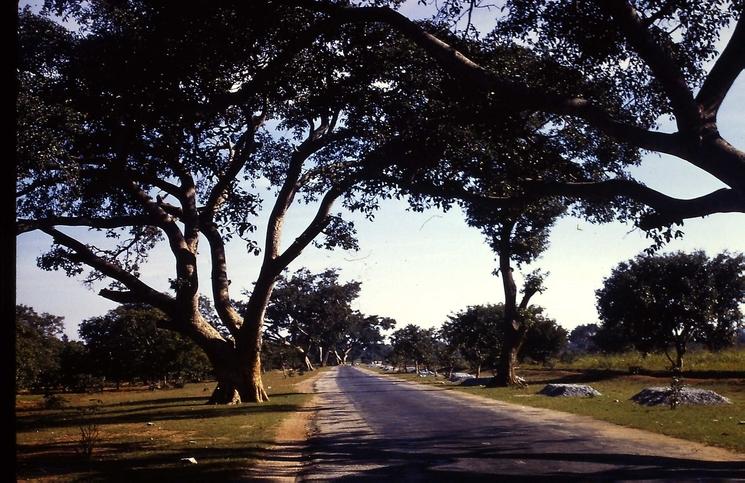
(243, 150)
(26, 225)
(143, 292)
(659, 60)
(726, 69)
(220, 281)
(316, 140)
(183, 249)
(505, 94)
(316, 226)
(667, 209)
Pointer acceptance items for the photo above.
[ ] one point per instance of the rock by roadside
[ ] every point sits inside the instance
(653, 396)
(569, 390)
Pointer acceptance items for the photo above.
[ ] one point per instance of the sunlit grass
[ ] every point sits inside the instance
(144, 434)
(729, 360)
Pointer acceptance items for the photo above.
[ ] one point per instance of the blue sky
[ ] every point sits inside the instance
(419, 267)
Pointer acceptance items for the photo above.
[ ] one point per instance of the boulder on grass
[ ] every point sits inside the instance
(653, 396)
(461, 376)
(569, 390)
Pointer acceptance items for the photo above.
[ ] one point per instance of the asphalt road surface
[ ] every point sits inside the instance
(373, 428)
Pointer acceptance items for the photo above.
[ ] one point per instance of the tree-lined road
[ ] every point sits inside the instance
(376, 427)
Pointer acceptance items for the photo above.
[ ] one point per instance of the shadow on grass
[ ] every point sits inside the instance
(156, 412)
(140, 462)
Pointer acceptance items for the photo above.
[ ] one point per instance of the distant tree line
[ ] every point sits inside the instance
(123, 346)
(310, 322)
(472, 340)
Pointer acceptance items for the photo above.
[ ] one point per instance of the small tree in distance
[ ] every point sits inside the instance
(413, 344)
(476, 334)
(664, 302)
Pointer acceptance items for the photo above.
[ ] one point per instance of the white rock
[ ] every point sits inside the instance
(653, 396)
(569, 390)
(189, 460)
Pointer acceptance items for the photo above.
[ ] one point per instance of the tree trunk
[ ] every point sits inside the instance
(511, 325)
(325, 358)
(679, 352)
(308, 364)
(478, 371)
(506, 375)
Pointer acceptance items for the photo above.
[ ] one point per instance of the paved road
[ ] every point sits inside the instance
(374, 428)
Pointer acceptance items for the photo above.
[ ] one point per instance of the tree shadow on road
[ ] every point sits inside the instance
(474, 457)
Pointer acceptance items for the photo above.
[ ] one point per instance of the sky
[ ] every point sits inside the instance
(420, 267)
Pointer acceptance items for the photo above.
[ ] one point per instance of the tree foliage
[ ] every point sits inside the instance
(312, 313)
(126, 344)
(414, 345)
(38, 348)
(668, 301)
(476, 334)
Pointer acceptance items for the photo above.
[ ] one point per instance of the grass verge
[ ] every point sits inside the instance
(712, 425)
(143, 435)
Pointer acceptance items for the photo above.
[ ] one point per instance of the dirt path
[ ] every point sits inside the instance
(284, 460)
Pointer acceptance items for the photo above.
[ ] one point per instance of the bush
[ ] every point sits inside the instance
(54, 401)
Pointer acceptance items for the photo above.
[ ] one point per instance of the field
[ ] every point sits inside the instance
(144, 434)
(715, 425)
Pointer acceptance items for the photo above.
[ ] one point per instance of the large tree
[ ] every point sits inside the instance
(614, 68)
(146, 125)
(667, 301)
(415, 345)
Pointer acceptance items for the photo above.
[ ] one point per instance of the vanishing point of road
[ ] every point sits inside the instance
(369, 427)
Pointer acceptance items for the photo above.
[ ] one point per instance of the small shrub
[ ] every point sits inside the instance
(54, 401)
(89, 432)
(676, 390)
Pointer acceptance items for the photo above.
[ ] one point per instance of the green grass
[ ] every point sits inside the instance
(730, 360)
(713, 425)
(144, 434)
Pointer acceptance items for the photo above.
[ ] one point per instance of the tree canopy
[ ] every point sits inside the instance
(159, 123)
(664, 302)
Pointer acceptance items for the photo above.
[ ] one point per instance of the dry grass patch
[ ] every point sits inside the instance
(145, 434)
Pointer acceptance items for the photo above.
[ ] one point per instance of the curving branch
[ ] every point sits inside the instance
(667, 209)
(138, 290)
(728, 66)
(316, 226)
(26, 225)
(659, 60)
(220, 282)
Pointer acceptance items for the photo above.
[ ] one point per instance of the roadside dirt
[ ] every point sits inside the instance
(283, 461)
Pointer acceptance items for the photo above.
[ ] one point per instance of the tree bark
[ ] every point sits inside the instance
(511, 324)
